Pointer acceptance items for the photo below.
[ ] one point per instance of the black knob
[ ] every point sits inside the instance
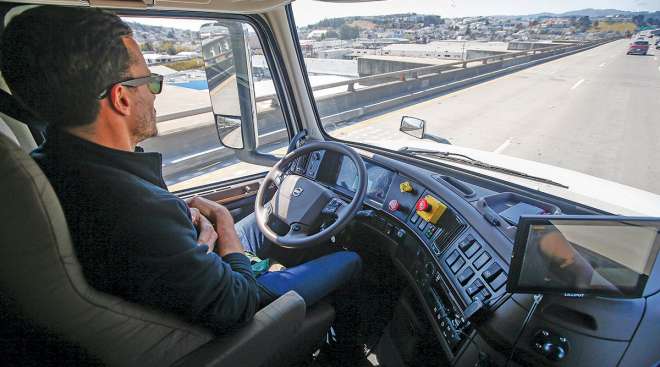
(553, 352)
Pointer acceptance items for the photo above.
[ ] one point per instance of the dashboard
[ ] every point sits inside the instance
(458, 265)
(379, 179)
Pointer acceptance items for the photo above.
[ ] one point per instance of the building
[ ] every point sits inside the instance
(453, 50)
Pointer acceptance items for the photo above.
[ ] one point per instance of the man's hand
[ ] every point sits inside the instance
(556, 247)
(228, 241)
(206, 233)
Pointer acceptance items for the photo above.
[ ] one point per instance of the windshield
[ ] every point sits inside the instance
(550, 89)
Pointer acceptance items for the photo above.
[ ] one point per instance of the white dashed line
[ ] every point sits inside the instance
(195, 155)
(602, 65)
(503, 146)
(577, 84)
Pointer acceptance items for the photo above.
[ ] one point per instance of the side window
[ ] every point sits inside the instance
(203, 79)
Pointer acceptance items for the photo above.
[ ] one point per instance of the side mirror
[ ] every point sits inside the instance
(412, 126)
(416, 128)
(228, 67)
(229, 131)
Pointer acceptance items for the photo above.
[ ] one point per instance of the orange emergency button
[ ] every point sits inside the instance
(422, 205)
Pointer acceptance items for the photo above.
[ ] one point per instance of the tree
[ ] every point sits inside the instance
(596, 23)
(432, 20)
(331, 23)
(347, 32)
(638, 20)
(147, 46)
(331, 34)
(167, 47)
(584, 22)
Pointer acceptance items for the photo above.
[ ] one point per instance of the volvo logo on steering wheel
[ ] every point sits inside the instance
(297, 191)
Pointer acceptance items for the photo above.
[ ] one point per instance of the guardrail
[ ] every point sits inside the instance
(415, 73)
(404, 75)
(198, 145)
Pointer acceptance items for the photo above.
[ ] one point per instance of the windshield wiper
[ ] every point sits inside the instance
(464, 159)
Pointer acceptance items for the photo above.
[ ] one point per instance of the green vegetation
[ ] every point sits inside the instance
(186, 64)
(346, 32)
(613, 27)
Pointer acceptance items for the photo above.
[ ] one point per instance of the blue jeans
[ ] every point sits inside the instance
(313, 279)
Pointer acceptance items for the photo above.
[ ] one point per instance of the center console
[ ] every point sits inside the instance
(453, 242)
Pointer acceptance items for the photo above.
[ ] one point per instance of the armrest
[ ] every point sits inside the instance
(270, 329)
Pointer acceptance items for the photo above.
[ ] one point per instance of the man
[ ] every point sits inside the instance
(80, 70)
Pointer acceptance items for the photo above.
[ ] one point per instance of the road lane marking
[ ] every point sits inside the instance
(195, 155)
(602, 65)
(503, 146)
(577, 84)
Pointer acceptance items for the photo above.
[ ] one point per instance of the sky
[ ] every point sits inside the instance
(311, 11)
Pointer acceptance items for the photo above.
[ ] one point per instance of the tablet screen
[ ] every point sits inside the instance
(609, 256)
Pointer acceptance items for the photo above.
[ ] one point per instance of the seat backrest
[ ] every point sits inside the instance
(17, 131)
(41, 280)
(6, 130)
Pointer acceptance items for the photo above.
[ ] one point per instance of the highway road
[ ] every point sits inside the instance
(595, 112)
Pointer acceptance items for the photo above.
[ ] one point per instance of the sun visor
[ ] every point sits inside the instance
(124, 4)
(225, 6)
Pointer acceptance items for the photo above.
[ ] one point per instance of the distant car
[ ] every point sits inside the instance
(638, 47)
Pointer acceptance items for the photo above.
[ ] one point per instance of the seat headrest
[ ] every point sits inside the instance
(10, 106)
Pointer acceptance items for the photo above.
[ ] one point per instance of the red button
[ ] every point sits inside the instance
(393, 205)
(422, 205)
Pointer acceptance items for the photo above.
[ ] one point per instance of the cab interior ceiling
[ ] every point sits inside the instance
(225, 6)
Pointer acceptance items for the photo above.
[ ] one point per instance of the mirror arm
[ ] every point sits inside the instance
(297, 141)
(435, 138)
(255, 157)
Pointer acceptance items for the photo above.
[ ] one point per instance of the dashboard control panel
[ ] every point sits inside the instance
(476, 272)
(439, 240)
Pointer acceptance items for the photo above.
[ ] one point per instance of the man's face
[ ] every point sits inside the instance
(143, 120)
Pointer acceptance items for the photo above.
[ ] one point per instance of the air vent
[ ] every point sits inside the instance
(452, 227)
(456, 186)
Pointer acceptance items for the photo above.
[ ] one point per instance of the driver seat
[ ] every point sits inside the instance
(48, 307)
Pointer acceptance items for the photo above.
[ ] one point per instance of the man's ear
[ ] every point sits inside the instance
(119, 99)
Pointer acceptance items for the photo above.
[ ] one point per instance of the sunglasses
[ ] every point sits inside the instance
(154, 82)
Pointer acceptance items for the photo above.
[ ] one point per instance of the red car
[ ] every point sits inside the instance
(638, 48)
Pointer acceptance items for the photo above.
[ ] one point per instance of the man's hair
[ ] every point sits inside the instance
(57, 60)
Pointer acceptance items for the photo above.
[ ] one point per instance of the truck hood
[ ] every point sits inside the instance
(585, 189)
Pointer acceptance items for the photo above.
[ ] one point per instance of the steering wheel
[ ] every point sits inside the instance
(302, 203)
